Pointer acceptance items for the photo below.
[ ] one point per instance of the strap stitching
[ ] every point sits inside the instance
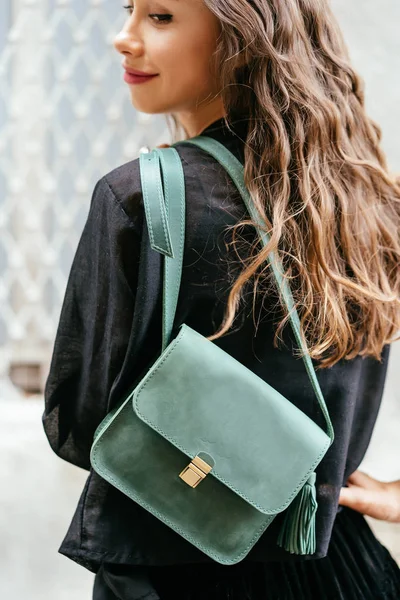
(173, 154)
(153, 162)
(162, 207)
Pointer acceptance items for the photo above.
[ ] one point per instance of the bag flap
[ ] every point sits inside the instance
(203, 400)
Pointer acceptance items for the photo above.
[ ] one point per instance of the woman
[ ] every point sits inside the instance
(272, 81)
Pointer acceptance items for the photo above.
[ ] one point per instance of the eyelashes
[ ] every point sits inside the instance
(159, 18)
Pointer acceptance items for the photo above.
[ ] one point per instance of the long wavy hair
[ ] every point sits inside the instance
(316, 172)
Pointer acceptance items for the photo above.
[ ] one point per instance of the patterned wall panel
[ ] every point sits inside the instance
(65, 120)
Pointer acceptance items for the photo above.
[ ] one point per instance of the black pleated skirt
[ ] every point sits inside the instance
(357, 567)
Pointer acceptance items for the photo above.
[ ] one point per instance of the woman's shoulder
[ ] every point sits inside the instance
(123, 184)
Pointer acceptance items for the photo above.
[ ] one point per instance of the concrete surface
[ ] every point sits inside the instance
(38, 495)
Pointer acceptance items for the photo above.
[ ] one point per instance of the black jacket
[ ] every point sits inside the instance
(109, 333)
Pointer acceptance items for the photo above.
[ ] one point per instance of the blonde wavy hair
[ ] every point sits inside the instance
(316, 173)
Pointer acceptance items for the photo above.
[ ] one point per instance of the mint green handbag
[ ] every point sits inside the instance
(203, 443)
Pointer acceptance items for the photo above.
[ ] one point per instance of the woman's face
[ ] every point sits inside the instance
(175, 40)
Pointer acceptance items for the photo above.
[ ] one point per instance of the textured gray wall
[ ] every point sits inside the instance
(371, 29)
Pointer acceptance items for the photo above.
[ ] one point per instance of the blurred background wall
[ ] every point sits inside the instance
(65, 120)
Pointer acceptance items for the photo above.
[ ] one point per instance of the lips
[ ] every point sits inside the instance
(138, 73)
(135, 79)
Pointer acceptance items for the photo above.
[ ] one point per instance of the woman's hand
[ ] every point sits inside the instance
(371, 497)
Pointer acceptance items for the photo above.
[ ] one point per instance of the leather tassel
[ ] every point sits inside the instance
(297, 534)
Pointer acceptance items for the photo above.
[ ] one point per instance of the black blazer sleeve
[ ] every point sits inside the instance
(94, 327)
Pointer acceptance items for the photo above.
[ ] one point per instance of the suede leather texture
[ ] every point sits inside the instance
(197, 398)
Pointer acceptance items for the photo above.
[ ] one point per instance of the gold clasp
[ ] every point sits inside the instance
(195, 472)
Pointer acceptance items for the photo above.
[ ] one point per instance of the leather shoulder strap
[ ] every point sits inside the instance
(153, 200)
(174, 188)
(166, 222)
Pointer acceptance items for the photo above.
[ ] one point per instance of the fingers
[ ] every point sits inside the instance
(354, 498)
(347, 497)
(362, 480)
(373, 498)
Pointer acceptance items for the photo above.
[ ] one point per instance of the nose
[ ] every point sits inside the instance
(126, 43)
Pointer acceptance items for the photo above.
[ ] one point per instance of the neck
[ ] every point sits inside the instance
(195, 121)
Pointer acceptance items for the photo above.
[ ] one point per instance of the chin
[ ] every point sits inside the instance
(148, 108)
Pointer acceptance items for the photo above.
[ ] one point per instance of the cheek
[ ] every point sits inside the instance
(183, 57)
(185, 65)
